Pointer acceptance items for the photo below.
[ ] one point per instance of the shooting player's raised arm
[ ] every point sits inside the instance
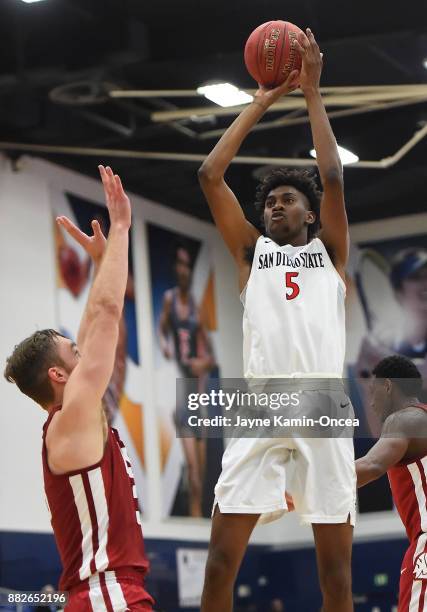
(228, 215)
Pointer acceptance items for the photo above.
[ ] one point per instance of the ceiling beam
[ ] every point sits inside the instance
(382, 164)
(193, 93)
(287, 120)
(289, 103)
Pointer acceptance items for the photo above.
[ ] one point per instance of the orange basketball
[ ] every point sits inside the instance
(270, 53)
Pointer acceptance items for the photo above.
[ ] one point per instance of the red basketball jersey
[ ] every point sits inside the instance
(408, 482)
(95, 515)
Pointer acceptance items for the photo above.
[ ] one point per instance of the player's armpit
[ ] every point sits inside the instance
(76, 450)
(386, 453)
(237, 232)
(333, 217)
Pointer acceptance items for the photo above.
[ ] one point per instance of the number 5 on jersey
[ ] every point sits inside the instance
(292, 285)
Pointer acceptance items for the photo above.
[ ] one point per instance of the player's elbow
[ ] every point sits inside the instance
(333, 176)
(207, 174)
(107, 310)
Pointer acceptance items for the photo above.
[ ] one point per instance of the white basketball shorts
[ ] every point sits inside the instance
(319, 473)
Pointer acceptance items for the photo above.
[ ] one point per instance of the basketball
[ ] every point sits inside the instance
(270, 53)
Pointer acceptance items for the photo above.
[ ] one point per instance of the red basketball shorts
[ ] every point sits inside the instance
(413, 577)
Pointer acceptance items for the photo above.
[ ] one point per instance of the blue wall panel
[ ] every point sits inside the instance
(30, 561)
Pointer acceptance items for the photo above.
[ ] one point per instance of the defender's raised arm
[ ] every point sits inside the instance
(77, 430)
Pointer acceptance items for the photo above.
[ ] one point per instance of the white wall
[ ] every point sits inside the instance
(27, 281)
(27, 303)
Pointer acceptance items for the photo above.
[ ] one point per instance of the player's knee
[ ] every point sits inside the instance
(220, 567)
(335, 581)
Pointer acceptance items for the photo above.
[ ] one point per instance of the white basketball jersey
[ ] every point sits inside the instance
(294, 317)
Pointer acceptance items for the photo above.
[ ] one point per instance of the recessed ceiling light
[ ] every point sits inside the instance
(31, 1)
(346, 156)
(224, 94)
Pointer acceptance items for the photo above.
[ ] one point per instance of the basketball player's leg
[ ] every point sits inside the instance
(251, 486)
(229, 540)
(324, 494)
(191, 452)
(333, 551)
(201, 456)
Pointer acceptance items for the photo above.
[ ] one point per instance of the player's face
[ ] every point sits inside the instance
(183, 269)
(286, 214)
(380, 398)
(68, 352)
(68, 358)
(413, 294)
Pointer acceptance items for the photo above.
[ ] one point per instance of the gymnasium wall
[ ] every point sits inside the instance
(28, 281)
(28, 302)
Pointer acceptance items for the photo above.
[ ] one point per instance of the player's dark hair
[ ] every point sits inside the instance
(182, 245)
(303, 180)
(29, 363)
(402, 372)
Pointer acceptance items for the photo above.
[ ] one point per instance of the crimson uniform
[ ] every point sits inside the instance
(97, 528)
(408, 482)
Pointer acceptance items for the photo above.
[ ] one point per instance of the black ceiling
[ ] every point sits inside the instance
(171, 44)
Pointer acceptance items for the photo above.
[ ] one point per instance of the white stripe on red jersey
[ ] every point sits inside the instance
(101, 508)
(80, 501)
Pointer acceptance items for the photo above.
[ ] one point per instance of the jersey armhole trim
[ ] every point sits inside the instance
(242, 294)
(89, 468)
(339, 277)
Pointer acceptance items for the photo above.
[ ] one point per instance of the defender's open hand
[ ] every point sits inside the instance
(93, 245)
(118, 203)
